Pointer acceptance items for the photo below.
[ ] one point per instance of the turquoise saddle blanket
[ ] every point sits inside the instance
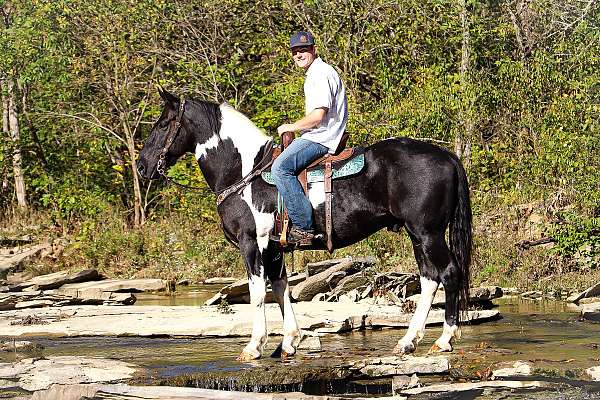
(345, 168)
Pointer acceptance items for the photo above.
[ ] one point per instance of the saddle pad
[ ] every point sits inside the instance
(317, 174)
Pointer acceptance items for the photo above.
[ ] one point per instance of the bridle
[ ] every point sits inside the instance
(225, 193)
(171, 135)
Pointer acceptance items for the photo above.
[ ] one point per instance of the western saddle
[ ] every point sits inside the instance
(326, 162)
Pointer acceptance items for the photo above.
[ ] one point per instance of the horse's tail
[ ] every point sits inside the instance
(461, 234)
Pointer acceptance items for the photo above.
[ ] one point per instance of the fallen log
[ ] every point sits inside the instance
(320, 266)
(319, 283)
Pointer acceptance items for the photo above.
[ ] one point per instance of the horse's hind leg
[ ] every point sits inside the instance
(451, 280)
(433, 257)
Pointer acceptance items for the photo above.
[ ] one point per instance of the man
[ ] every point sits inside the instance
(322, 127)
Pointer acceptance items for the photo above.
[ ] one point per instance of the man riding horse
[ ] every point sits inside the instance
(326, 114)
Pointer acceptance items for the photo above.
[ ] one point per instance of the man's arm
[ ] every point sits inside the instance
(310, 120)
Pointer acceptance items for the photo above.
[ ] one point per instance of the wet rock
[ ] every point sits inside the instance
(310, 343)
(594, 373)
(406, 365)
(220, 281)
(518, 368)
(126, 392)
(208, 321)
(589, 292)
(532, 294)
(462, 387)
(401, 382)
(38, 374)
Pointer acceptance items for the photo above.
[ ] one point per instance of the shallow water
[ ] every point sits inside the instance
(546, 333)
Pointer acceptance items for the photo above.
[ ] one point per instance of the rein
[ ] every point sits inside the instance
(225, 193)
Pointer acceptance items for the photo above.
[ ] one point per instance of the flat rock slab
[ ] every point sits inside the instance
(207, 320)
(591, 312)
(56, 280)
(114, 285)
(406, 365)
(124, 392)
(38, 374)
(462, 387)
(589, 292)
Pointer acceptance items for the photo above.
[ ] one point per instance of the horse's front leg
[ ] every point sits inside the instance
(258, 288)
(291, 332)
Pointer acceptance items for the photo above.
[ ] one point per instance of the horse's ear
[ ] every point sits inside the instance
(167, 97)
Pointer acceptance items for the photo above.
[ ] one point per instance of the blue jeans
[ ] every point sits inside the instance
(297, 156)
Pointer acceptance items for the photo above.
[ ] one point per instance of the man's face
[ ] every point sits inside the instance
(303, 56)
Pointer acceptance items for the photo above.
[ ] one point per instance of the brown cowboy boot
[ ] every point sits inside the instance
(299, 237)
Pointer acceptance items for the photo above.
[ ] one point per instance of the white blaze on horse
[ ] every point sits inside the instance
(405, 183)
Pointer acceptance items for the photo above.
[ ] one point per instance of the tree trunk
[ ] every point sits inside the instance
(39, 150)
(462, 142)
(138, 210)
(13, 122)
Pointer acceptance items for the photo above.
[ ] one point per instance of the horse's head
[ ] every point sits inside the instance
(170, 138)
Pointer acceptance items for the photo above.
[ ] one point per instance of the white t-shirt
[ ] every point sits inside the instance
(324, 88)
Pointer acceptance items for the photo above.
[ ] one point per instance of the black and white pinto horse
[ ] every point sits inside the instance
(406, 183)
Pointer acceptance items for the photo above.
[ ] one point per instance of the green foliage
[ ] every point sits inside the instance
(87, 72)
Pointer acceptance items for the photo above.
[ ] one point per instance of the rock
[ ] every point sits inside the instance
(21, 345)
(34, 304)
(589, 292)
(318, 283)
(126, 392)
(311, 343)
(591, 312)
(38, 374)
(518, 368)
(594, 373)
(183, 282)
(532, 294)
(35, 299)
(405, 365)
(401, 382)
(208, 321)
(95, 289)
(56, 280)
(14, 278)
(220, 281)
(461, 387)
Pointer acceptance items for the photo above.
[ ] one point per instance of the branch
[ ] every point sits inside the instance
(96, 124)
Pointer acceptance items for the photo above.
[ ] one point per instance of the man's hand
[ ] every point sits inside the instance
(286, 128)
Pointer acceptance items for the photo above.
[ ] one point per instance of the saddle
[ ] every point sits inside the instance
(343, 163)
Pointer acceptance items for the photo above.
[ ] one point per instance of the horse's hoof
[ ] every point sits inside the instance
(404, 348)
(248, 356)
(436, 348)
(283, 354)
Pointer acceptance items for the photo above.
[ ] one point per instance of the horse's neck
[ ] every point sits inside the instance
(238, 146)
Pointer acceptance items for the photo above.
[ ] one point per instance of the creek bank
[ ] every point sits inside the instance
(84, 287)
(320, 317)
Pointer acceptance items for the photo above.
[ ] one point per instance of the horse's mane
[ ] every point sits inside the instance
(211, 112)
